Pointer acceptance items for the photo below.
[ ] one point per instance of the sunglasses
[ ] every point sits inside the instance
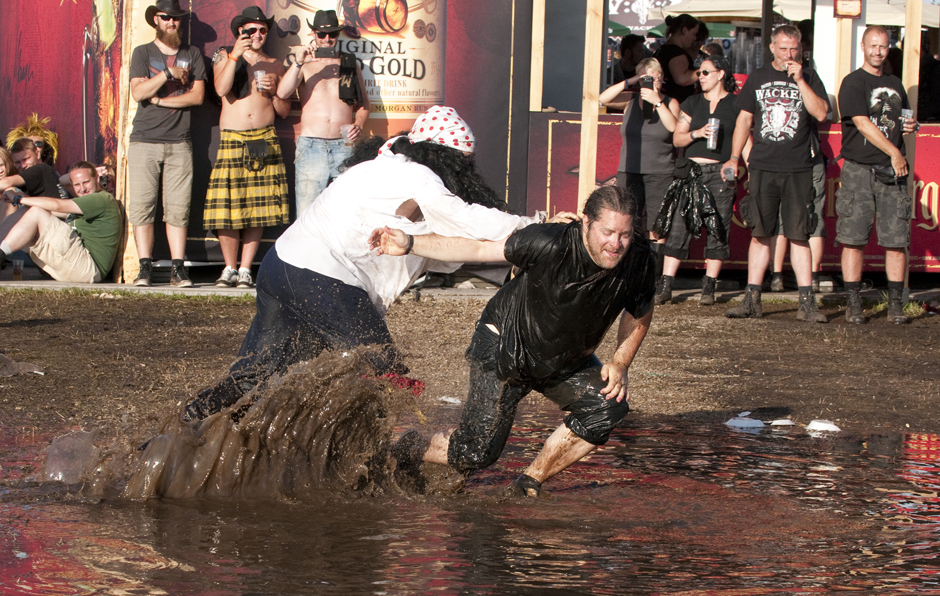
(705, 73)
(166, 17)
(253, 30)
(331, 34)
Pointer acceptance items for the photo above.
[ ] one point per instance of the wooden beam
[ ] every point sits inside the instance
(844, 45)
(911, 71)
(538, 56)
(594, 33)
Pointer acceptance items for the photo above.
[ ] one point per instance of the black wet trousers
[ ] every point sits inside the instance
(299, 314)
(491, 405)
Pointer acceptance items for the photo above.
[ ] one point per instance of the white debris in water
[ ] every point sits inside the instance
(450, 400)
(744, 422)
(823, 426)
(21, 555)
(783, 422)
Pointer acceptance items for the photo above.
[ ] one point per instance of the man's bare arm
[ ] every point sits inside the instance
(389, 241)
(630, 335)
(11, 181)
(143, 88)
(51, 205)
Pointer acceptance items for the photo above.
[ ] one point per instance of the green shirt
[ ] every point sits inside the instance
(99, 227)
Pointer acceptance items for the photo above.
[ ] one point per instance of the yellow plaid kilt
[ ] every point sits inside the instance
(239, 198)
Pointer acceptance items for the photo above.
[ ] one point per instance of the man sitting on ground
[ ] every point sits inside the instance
(539, 332)
(80, 249)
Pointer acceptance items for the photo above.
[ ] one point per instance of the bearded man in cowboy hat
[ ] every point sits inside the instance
(332, 94)
(168, 78)
(248, 185)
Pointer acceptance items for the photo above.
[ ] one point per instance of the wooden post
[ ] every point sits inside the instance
(912, 22)
(594, 32)
(844, 47)
(538, 56)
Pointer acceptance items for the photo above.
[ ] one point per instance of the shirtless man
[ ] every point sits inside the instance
(332, 94)
(247, 194)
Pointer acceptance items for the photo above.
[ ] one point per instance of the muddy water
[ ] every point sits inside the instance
(662, 508)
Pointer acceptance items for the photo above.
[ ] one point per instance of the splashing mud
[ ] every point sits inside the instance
(325, 425)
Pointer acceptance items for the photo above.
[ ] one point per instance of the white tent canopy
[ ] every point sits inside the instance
(877, 12)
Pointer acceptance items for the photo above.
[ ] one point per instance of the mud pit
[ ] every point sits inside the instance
(121, 364)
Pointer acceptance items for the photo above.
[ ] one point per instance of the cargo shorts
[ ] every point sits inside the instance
(863, 202)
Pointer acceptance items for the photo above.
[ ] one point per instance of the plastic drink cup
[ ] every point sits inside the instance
(258, 75)
(729, 174)
(907, 114)
(182, 63)
(17, 269)
(344, 130)
(712, 142)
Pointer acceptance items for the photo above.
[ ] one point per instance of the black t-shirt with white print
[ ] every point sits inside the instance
(881, 100)
(783, 127)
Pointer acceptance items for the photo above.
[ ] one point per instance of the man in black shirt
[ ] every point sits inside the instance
(779, 100)
(874, 176)
(35, 178)
(539, 332)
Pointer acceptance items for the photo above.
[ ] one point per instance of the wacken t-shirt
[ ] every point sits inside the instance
(553, 315)
(783, 128)
(880, 99)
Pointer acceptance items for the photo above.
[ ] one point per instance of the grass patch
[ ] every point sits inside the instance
(132, 295)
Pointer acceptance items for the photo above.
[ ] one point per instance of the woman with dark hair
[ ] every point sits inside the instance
(692, 132)
(320, 287)
(675, 56)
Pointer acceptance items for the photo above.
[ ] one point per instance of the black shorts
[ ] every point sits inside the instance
(789, 195)
(491, 405)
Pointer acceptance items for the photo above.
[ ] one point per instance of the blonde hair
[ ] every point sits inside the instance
(7, 160)
(650, 65)
(34, 127)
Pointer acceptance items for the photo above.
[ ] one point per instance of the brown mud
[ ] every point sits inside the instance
(120, 366)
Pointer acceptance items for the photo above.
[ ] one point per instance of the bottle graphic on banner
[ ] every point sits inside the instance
(400, 45)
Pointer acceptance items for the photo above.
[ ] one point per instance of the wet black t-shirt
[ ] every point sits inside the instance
(553, 315)
(881, 100)
(41, 181)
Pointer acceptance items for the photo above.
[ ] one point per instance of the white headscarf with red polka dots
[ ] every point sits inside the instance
(442, 125)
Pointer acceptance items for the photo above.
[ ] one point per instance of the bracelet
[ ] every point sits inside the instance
(233, 59)
(656, 105)
(692, 134)
(155, 100)
(169, 75)
(411, 244)
(735, 157)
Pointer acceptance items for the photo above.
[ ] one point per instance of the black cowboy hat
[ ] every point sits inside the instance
(170, 7)
(252, 14)
(325, 21)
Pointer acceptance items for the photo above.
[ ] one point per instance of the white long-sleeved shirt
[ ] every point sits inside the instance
(331, 236)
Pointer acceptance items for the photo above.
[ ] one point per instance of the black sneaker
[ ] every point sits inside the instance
(524, 486)
(179, 278)
(143, 276)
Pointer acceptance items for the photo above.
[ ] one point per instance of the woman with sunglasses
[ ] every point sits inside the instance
(692, 132)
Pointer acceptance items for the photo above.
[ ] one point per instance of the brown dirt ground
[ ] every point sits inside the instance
(126, 361)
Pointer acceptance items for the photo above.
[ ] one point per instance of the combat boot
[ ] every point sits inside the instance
(854, 313)
(663, 290)
(895, 308)
(750, 307)
(708, 291)
(776, 281)
(808, 309)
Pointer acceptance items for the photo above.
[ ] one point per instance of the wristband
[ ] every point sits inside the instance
(692, 134)
(155, 100)
(169, 75)
(656, 105)
(734, 157)
(232, 58)
(411, 244)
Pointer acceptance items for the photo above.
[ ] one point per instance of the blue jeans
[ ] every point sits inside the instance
(316, 162)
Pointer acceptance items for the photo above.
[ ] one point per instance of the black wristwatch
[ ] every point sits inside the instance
(169, 75)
